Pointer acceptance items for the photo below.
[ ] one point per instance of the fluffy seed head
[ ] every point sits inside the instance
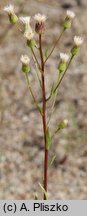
(29, 34)
(40, 18)
(64, 57)
(70, 14)
(25, 59)
(25, 20)
(9, 9)
(78, 41)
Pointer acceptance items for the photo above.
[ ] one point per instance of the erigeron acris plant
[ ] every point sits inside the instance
(64, 63)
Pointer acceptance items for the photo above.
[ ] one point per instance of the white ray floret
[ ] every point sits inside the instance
(9, 9)
(29, 34)
(78, 40)
(64, 57)
(25, 59)
(40, 18)
(66, 122)
(70, 14)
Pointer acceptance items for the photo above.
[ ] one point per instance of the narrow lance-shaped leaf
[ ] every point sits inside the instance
(52, 160)
(46, 53)
(48, 139)
(46, 195)
(51, 92)
(36, 197)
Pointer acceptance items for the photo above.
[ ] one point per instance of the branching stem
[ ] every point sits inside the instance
(63, 74)
(35, 58)
(56, 90)
(57, 41)
(31, 92)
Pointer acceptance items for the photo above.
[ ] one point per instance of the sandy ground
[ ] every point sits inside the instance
(21, 137)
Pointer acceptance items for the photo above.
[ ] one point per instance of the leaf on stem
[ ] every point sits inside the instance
(46, 53)
(31, 92)
(52, 160)
(36, 197)
(45, 193)
(51, 92)
(48, 139)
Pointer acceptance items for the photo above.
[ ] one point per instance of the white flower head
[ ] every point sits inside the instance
(25, 59)
(25, 20)
(29, 34)
(9, 9)
(78, 40)
(64, 57)
(40, 18)
(70, 14)
(66, 122)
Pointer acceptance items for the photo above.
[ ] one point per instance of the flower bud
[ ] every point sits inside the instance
(77, 43)
(63, 62)
(40, 23)
(25, 63)
(13, 18)
(29, 36)
(11, 14)
(63, 124)
(68, 20)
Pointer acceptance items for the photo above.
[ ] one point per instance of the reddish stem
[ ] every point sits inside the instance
(44, 117)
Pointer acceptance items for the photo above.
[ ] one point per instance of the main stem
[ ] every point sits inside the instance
(44, 116)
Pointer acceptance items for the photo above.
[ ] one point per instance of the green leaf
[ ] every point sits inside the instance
(36, 197)
(45, 193)
(46, 53)
(51, 92)
(52, 160)
(48, 139)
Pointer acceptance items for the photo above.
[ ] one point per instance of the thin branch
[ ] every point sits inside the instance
(35, 58)
(56, 90)
(54, 45)
(37, 66)
(63, 73)
(31, 92)
(53, 105)
(39, 79)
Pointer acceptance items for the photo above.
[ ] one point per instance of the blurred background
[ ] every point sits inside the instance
(21, 137)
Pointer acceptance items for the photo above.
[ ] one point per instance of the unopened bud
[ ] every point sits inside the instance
(63, 124)
(13, 18)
